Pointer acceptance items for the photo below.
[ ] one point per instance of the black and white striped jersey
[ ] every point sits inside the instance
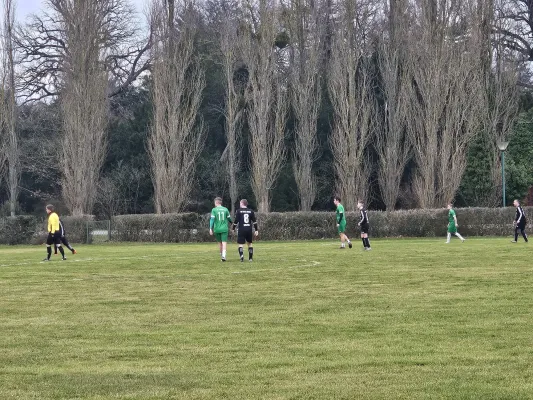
(520, 217)
(364, 217)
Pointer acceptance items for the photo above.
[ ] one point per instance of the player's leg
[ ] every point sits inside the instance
(459, 236)
(249, 240)
(516, 229)
(523, 231)
(366, 241)
(49, 243)
(343, 237)
(347, 239)
(218, 238)
(57, 239)
(224, 243)
(240, 242)
(67, 244)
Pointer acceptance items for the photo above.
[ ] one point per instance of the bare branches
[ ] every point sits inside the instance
(44, 45)
(306, 26)
(443, 112)
(178, 82)
(349, 86)
(8, 107)
(233, 100)
(392, 143)
(267, 101)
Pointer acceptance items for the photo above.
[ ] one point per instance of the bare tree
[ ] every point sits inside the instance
(349, 86)
(44, 43)
(443, 112)
(305, 24)
(233, 107)
(8, 106)
(392, 143)
(267, 101)
(176, 137)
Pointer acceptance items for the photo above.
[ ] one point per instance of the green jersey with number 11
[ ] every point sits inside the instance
(220, 218)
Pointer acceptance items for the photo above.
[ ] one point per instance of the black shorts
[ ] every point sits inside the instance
(53, 238)
(365, 228)
(245, 237)
(521, 225)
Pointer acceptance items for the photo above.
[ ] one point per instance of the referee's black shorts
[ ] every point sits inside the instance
(53, 238)
(365, 228)
(245, 237)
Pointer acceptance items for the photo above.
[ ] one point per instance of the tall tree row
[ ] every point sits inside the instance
(266, 96)
(177, 137)
(387, 102)
(10, 167)
(306, 28)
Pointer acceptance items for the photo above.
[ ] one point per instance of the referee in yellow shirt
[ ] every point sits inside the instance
(54, 233)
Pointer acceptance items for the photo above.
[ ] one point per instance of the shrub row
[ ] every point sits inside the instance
(190, 227)
(319, 225)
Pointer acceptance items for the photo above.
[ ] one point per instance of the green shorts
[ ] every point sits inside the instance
(221, 237)
(452, 228)
(342, 227)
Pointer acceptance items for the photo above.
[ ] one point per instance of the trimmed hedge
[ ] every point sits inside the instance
(75, 229)
(190, 227)
(17, 230)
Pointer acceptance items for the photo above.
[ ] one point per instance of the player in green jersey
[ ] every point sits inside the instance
(341, 222)
(452, 224)
(218, 224)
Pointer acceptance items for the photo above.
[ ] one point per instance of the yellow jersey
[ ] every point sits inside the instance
(53, 222)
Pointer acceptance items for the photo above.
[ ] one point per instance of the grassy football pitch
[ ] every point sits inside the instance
(412, 319)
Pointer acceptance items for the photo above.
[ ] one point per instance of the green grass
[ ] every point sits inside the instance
(413, 319)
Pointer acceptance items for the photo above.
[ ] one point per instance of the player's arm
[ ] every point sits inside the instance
(254, 221)
(455, 220)
(211, 223)
(228, 216)
(520, 215)
(235, 219)
(362, 217)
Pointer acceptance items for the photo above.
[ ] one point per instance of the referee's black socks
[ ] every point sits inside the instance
(241, 252)
(250, 253)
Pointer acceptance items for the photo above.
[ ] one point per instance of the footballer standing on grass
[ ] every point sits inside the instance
(54, 233)
(520, 222)
(218, 224)
(452, 224)
(364, 224)
(341, 222)
(247, 224)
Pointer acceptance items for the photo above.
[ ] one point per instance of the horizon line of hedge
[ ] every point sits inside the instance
(192, 227)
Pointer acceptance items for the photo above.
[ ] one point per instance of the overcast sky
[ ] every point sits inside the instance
(25, 7)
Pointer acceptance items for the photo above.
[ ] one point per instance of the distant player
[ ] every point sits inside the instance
(341, 223)
(520, 222)
(452, 224)
(245, 220)
(54, 233)
(218, 224)
(63, 238)
(364, 224)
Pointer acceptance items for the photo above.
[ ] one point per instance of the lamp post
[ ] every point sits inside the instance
(502, 145)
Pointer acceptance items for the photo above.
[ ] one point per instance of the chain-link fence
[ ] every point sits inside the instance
(98, 232)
